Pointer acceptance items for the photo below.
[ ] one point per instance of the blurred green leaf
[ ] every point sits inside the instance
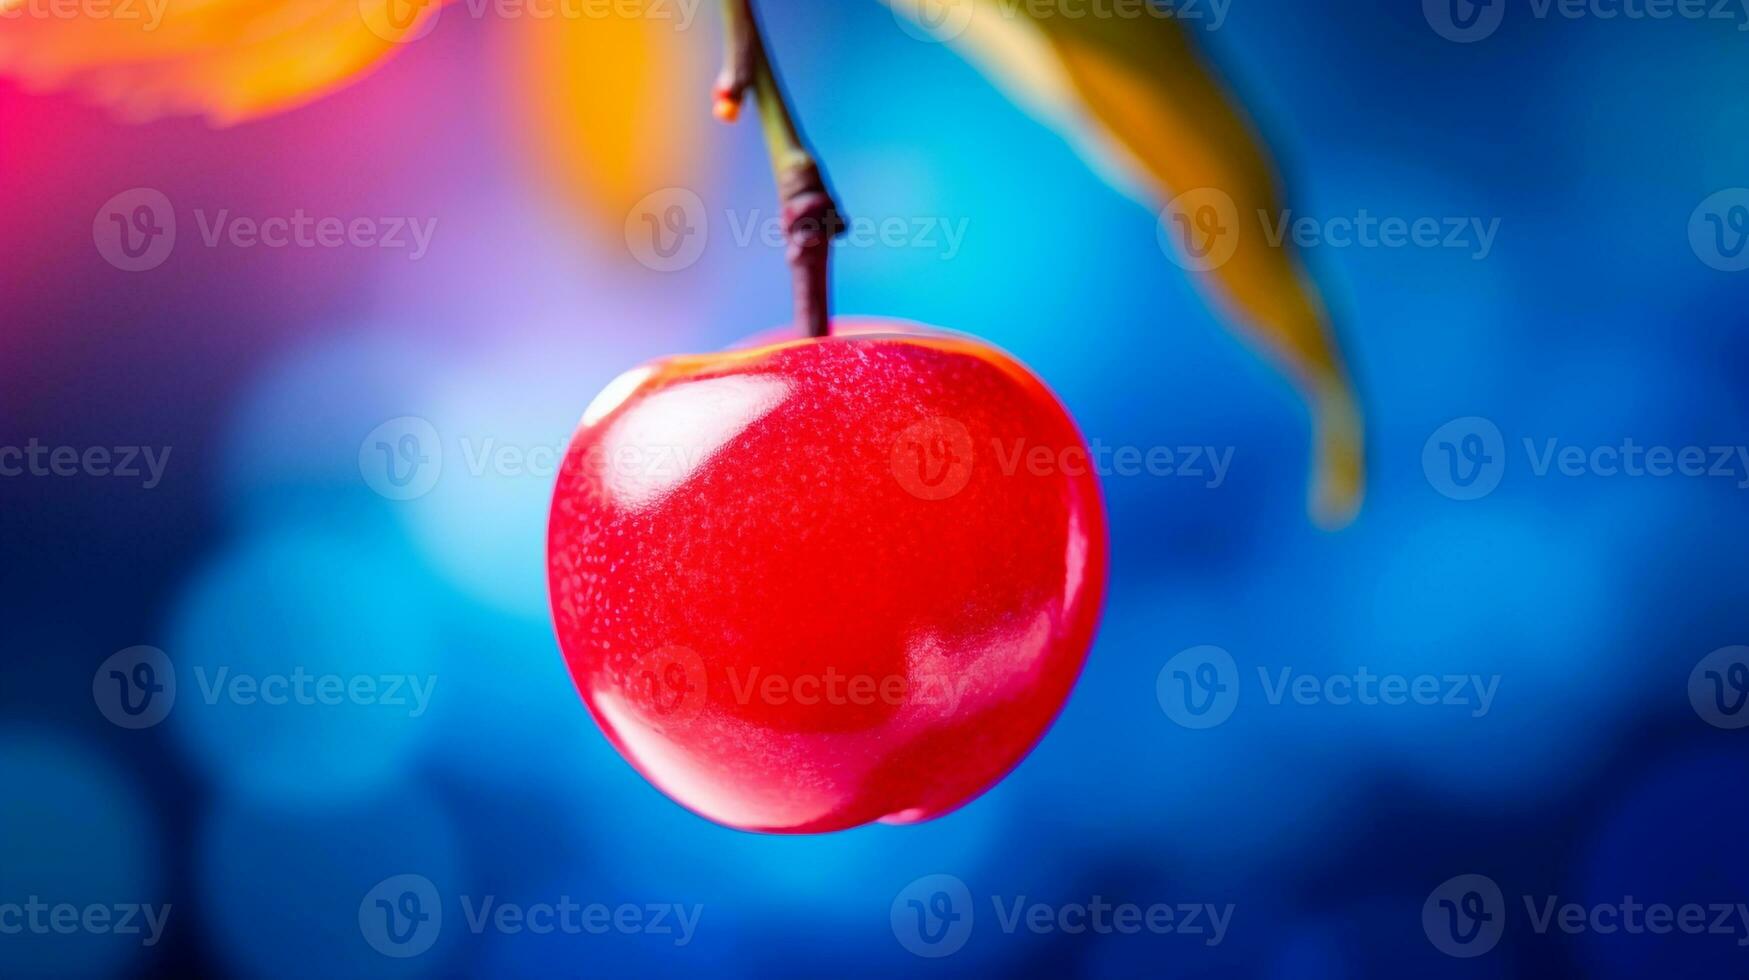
(1135, 97)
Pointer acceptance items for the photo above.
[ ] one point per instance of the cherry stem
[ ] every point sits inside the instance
(810, 215)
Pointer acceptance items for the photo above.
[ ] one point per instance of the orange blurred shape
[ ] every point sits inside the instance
(229, 60)
(612, 107)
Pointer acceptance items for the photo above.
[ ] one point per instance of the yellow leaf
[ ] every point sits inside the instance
(612, 108)
(227, 59)
(1133, 94)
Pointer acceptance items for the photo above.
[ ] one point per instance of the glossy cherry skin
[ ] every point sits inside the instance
(820, 583)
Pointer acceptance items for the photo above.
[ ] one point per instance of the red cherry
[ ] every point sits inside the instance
(809, 585)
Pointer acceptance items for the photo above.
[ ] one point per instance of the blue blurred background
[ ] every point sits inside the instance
(269, 546)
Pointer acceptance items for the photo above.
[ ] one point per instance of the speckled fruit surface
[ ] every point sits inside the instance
(820, 583)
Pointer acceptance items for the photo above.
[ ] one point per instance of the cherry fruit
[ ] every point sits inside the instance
(824, 582)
